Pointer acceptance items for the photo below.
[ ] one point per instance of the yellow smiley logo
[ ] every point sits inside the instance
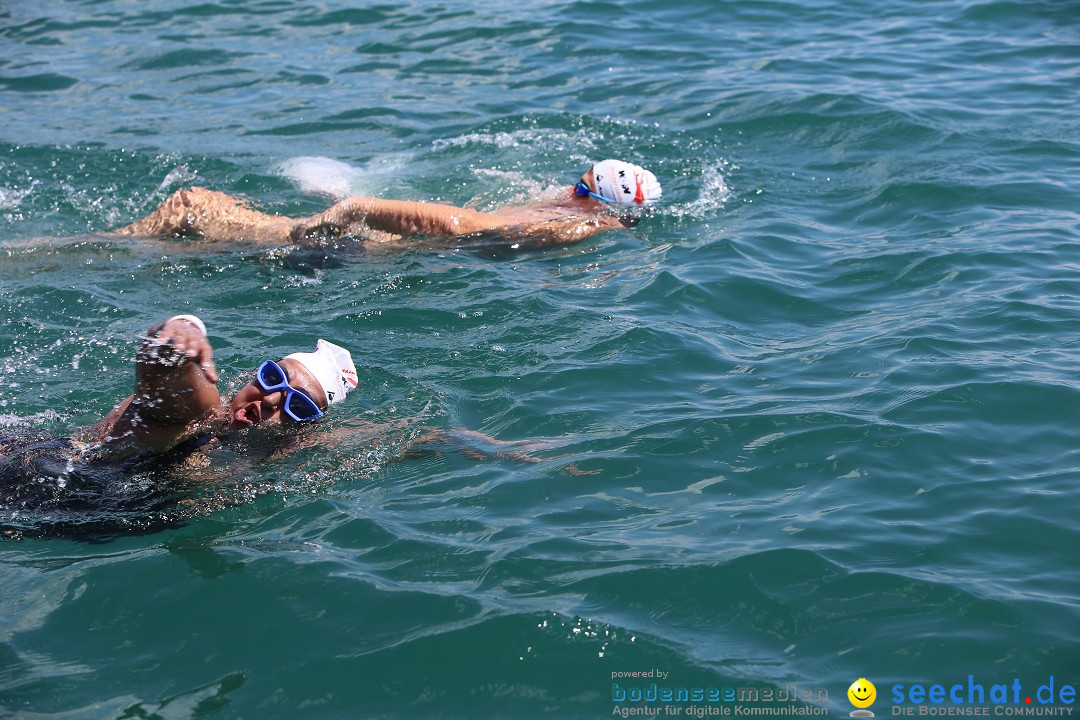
(862, 693)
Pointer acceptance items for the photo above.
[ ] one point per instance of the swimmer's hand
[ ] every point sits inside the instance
(311, 229)
(631, 218)
(332, 223)
(177, 339)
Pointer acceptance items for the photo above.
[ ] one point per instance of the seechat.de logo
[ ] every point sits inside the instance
(862, 694)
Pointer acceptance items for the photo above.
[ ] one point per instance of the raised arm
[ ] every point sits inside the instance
(175, 374)
(175, 388)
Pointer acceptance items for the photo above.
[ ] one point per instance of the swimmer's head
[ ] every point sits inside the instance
(622, 183)
(332, 366)
(296, 389)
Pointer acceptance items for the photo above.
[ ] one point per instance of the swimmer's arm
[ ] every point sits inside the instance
(212, 216)
(407, 218)
(400, 217)
(175, 374)
(559, 231)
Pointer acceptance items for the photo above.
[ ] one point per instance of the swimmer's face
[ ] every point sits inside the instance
(253, 406)
(589, 180)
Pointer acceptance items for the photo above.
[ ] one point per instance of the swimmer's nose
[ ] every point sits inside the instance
(272, 403)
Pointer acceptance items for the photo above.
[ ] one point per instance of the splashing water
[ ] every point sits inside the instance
(336, 179)
(713, 192)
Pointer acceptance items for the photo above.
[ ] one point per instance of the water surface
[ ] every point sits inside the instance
(813, 421)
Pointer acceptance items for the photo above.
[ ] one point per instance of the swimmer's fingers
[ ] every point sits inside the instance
(300, 232)
(205, 360)
(187, 339)
(314, 228)
(334, 222)
(633, 217)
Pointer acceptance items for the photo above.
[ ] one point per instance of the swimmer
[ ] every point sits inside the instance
(175, 410)
(575, 214)
(176, 399)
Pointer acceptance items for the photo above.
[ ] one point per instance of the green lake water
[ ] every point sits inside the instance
(813, 420)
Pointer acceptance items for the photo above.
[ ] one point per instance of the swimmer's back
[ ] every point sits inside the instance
(42, 470)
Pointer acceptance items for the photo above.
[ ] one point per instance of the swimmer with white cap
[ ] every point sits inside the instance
(618, 182)
(598, 202)
(174, 413)
(176, 401)
(284, 391)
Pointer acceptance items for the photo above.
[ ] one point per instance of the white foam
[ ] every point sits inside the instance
(10, 198)
(512, 186)
(321, 175)
(713, 192)
(179, 174)
(552, 141)
(10, 420)
(337, 179)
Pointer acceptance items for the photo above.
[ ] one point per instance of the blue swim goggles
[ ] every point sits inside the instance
(582, 190)
(271, 377)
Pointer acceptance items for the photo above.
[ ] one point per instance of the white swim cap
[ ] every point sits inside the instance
(332, 366)
(625, 183)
